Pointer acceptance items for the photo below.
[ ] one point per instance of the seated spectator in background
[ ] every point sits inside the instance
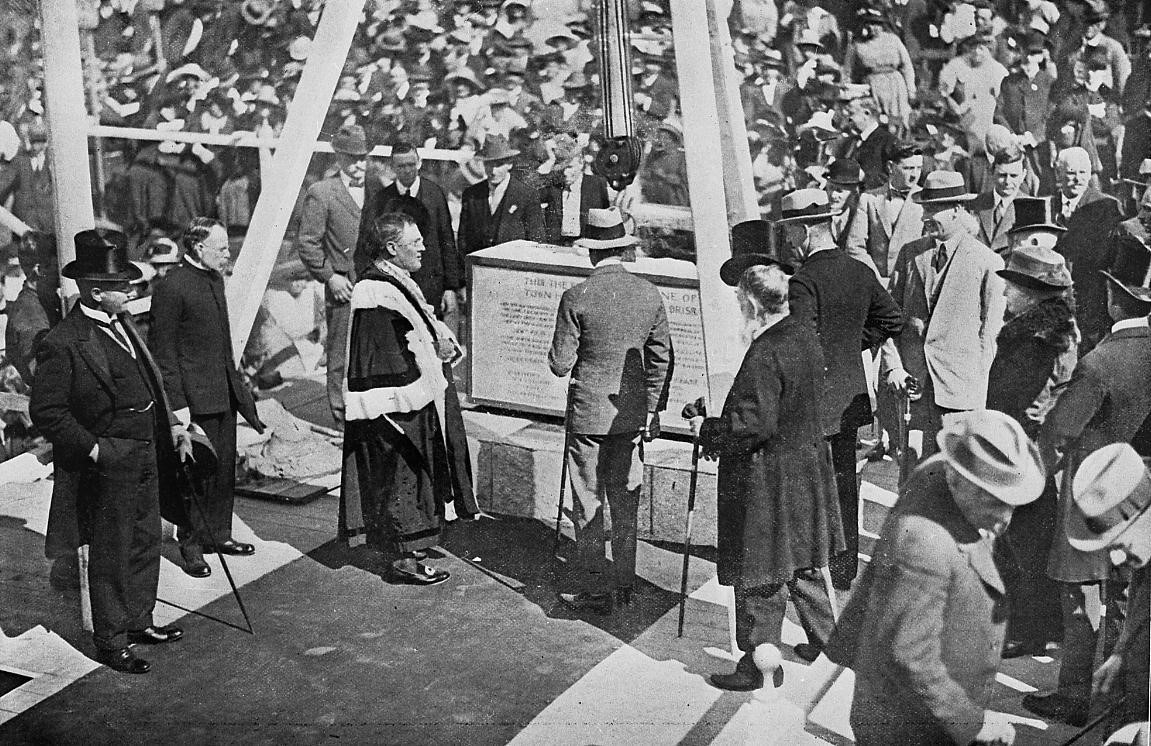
(569, 192)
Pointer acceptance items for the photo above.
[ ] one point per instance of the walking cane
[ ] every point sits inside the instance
(687, 532)
(563, 480)
(912, 393)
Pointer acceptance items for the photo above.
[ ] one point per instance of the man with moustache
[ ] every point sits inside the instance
(100, 401)
(192, 341)
(326, 242)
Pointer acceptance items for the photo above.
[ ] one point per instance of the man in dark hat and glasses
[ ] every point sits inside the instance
(100, 401)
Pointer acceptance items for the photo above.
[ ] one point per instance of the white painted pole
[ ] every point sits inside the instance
(66, 119)
(281, 183)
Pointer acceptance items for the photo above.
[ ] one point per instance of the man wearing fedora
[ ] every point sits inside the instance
(192, 341)
(1112, 493)
(841, 299)
(1107, 401)
(612, 336)
(500, 208)
(923, 630)
(953, 304)
(100, 401)
(887, 217)
(326, 243)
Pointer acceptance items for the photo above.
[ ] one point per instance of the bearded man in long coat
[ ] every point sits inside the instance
(404, 443)
(778, 507)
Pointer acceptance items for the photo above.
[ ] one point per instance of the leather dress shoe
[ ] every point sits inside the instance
(807, 651)
(194, 563)
(1058, 706)
(155, 635)
(600, 603)
(746, 677)
(1019, 649)
(231, 546)
(123, 660)
(419, 574)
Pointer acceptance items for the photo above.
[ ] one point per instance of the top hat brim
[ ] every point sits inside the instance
(1037, 227)
(1030, 281)
(732, 269)
(1135, 291)
(204, 460)
(1030, 483)
(76, 270)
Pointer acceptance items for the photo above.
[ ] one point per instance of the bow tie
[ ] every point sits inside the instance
(901, 193)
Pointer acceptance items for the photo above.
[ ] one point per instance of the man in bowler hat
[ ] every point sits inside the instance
(100, 401)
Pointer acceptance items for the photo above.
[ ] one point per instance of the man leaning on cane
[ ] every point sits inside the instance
(612, 336)
(100, 401)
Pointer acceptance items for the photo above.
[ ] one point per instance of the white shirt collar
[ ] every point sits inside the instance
(609, 260)
(96, 314)
(496, 193)
(1129, 324)
(347, 182)
(866, 133)
(192, 260)
(413, 190)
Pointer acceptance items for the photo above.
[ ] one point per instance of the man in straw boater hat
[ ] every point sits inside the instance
(1107, 401)
(100, 401)
(850, 311)
(1037, 350)
(924, 628)
(952, 300)
(612, 336)
(326, 242)
(1112, 492)
(775, 467)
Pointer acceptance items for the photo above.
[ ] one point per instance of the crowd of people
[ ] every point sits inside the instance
(954, 248)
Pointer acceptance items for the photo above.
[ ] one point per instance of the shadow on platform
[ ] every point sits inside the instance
(26, 598)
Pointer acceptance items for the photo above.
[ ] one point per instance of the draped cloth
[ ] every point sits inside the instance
(405, 448)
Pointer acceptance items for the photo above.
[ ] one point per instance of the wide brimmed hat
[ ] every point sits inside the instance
(1034, 214)
(604, 230)
(990, 450)
(350, 140)
(772, 58)
(496, 148)
(257, 12)
(1112, 494)
(189, 70)
(821, 126)
(809, 38)
(845, 172)
(101, 255)
(943, 187)
(465, 75)
(805, 206)
(1130, 271)
(1037, 268)
(750, 245)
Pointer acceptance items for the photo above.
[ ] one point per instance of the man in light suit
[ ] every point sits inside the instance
(887, 217)
(612, 336)
(953, 307)
(326, 242)
(995, 209)
(1089, 217)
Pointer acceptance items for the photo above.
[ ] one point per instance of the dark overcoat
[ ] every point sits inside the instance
(778, 505)
(849, 311)
(593, 195)
(518, 216)
(72, 403)
(1087, 250)
(924, 630)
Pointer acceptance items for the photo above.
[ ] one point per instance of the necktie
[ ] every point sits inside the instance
(117, 334)
(999, 210)
(939, 261)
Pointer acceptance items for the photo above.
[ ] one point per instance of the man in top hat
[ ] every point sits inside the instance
(100, 401)
(887, 217)
(326, 242)
(612, 336)
(1089, 217)
(953, 305)
(191, 339)
(1107, 401)
(850, 311)
(923, 630)
(1112, 492)
(500, 208)
(995, 209)
(871, 144)
(844, 177)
